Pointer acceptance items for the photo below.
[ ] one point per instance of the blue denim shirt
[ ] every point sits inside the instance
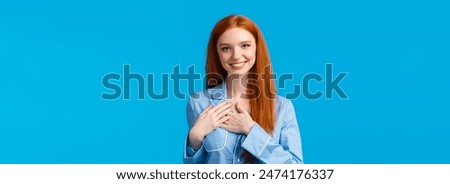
(223, 147)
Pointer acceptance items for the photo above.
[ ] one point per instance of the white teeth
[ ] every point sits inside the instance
(238, 65)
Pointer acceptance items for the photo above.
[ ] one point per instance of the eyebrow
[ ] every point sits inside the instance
(239, 43)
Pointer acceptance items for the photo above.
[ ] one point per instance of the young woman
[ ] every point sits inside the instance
(240, 118)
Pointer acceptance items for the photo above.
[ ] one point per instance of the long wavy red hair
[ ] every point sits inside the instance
(261, 86)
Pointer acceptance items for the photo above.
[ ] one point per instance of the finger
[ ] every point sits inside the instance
(223, 119)
(214, 107)
(224, 112)
(232, 115)
(207, 109)
(204, 112)
(240, 108)
(223, 126)
(223, 106)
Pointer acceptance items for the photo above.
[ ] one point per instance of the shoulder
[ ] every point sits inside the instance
(198, 101)
(283, 102)
(285, 108)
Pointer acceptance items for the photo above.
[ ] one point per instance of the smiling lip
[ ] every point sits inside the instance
(238, 65)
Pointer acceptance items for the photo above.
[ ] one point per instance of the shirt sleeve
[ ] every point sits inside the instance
(265, 148)
(190, 155)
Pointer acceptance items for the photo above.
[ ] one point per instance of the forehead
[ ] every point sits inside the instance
(235, 35)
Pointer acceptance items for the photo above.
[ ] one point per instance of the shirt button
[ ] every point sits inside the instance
(238, 160)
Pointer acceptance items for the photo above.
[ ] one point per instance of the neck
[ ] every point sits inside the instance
(236, 86)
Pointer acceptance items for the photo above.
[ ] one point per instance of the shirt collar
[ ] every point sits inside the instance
(218, 92)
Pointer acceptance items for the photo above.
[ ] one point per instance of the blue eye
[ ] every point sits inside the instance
(246, 45)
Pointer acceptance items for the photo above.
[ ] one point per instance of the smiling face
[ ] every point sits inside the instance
(237, 50)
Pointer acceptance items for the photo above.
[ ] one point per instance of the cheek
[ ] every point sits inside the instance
(251, 54)
(224, 57)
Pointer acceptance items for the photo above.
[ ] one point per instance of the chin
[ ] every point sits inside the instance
(238, 72)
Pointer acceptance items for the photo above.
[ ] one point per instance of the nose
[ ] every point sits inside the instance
(237, 53)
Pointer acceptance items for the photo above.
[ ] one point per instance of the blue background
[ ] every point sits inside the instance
(53, 56)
